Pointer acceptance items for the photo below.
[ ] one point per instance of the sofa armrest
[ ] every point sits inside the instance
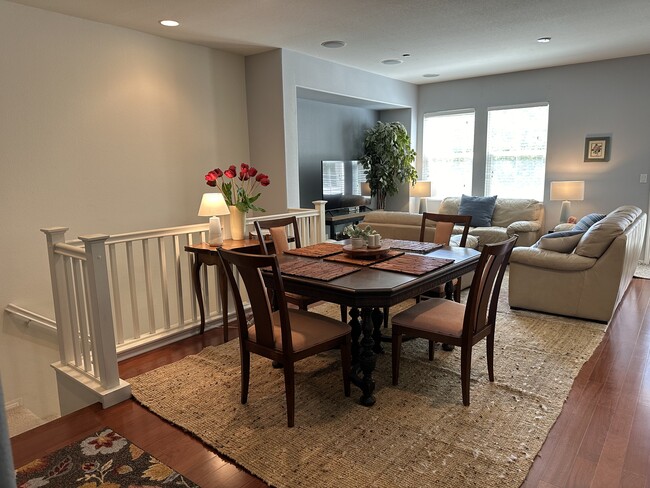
(523, 226)
(541, 258)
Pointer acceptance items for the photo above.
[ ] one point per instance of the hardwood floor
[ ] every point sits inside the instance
(601, 439)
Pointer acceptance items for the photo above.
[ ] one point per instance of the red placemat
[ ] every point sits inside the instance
(317, 250)
(412, 246)
(344, 258)
(317, 270)
(412, 264)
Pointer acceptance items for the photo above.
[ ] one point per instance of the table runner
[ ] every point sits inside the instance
(412, 264)
(344, 258)
(412, 246)
(317, 270)
(319, 250)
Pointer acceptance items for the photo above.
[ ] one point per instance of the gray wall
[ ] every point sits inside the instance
(327, 131)
(601, 98)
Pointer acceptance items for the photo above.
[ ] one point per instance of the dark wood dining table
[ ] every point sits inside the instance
(367, 292)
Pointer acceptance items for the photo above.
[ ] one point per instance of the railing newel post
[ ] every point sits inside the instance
(100, 311)
(60, 291)
(319, 205)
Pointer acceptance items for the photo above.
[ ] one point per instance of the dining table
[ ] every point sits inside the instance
(367, 287)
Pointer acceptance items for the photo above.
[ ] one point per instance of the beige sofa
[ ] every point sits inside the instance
(587, 282)
(511, 216)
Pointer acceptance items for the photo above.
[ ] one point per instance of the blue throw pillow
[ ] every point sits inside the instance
(480, 208)
(587, 221)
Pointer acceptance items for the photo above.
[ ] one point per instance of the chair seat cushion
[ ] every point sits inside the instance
(436, 315)
(308, 329)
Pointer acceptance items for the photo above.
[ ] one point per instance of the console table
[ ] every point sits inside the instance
(205, 254)
(332, 220)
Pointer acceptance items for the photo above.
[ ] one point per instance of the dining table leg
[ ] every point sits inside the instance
(367, 359)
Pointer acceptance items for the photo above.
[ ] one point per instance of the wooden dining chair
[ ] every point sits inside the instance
(442, 235)
(280, 238)
(286, 335)
(450, 322)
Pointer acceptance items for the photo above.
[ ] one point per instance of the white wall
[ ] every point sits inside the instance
(601, 98)
(274, 113)
(102, 129)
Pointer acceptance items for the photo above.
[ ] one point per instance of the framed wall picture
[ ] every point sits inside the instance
(597, 148)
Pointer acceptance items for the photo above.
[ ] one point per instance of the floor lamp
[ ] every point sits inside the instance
(567, 191)
(420, 191)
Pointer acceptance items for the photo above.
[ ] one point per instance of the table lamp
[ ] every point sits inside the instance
(365, 189)
(567, 191)
(213, 205)
(419, 190)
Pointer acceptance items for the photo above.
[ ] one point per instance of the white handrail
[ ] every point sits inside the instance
(112, 297)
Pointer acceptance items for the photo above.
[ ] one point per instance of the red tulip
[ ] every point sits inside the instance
(211, 178)
(230, 173)
(252, 172)
(265, 181)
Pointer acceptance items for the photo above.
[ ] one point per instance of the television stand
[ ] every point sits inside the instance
(344, 216)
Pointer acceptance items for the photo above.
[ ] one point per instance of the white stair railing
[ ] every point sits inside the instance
(117, 296)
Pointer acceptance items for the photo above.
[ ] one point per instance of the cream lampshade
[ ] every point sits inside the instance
(567, 191)
(419, 190)
(213, 205)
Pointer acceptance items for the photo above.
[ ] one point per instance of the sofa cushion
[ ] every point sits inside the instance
(541, 258)
(587, 221)
(480, 208)
(490, 235)
(597, 239)
(471, 243)
(560, 241)
(509, 210)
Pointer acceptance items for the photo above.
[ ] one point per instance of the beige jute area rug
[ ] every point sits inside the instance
(417, 434)
(642, 271)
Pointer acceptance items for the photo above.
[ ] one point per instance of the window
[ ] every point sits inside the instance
(516, 152)
(448, 153)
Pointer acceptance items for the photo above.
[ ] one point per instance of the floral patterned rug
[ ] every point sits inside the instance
(103, 460)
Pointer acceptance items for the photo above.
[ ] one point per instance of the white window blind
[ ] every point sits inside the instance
(516, 152)
(448, 152)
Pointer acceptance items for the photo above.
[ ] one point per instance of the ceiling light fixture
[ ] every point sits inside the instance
(430, 75)
(170, 23)
(332, 44)
(392, 61)
(406, 55)
(544, 40)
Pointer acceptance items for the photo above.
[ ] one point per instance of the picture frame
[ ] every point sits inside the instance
(597, 149)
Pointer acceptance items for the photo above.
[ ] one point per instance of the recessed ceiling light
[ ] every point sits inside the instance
(430, 75)
(544, 40)
(406, 55)
(392, 61)
(332, 44)
(169, 23)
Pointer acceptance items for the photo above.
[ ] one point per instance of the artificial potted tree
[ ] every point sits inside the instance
(388, 160)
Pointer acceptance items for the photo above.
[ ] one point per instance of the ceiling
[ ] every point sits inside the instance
(450, 38)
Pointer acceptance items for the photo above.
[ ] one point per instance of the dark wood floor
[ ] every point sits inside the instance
(601, 439)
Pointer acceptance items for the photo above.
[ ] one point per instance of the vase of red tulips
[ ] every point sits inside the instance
(240, 190)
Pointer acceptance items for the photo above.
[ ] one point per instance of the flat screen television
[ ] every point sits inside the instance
(341, 183)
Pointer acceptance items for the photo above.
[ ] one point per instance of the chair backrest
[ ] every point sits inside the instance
(481, 307)
(250, 268)
(445, 226)
(279, 235)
